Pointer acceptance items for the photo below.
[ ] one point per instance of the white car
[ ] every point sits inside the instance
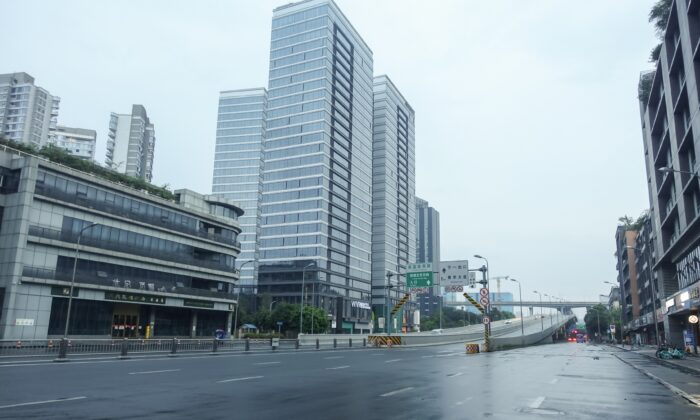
(508, 322)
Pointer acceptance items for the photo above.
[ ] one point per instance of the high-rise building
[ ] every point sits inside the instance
(393, 197)
(428, 250)
(238, 165)
(669, 99)
(78, 142)
(317, 182)
(131, 143)
(28, 113)
(647, 283)
(625, 240)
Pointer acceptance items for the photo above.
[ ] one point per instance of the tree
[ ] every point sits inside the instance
(597, 320)
(451, 318)
(659, 14)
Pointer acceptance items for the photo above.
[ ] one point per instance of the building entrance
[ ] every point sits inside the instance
(125, 321)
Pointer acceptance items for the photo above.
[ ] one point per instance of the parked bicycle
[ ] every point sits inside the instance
(668, 353)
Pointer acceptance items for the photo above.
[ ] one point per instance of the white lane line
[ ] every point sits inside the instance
(448, 355)
(388, 394)
(537, 403)
(463, 401)
(333, 357)
(42, 402)
(452, 375)
(427, 357)
(240, 379)
(154, 371)
(554, 381)
(338, 367)
(268, 363)
(392, 360)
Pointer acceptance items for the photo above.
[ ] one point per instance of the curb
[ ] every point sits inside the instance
(670, 387)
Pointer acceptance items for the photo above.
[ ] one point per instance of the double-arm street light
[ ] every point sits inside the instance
(238, 297)
(520, 292)
(301, 307)
(541, 316)
(72, 280)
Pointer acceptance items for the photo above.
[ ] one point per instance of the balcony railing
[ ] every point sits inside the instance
(131, 284)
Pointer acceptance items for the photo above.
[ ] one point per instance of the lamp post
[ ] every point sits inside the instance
(272, 303)
(653, 293)
(72, 280)
(238, 298)
(541, 318)
(520, 292)
(488, 287)
(668, 170)
(301, 307)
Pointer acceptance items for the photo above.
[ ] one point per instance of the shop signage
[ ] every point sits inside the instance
(136, 298)
(693, 319)
(63, 291)
(199, 303)
(24, 322)
(359, 304)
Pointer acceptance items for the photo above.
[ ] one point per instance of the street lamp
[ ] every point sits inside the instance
(551, 318)
(272, 303)
(653, 297)
(238, 298)
(541, 318)
(668, 170)
(72, 280)
(301, 308)
(520, 292)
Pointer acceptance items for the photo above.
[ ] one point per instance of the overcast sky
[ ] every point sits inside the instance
(528, 138)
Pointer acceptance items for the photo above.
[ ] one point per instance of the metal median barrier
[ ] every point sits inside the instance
(62, 349)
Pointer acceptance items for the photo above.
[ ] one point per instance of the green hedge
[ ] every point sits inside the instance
(60, 156)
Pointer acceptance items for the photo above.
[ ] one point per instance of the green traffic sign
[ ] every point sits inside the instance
(419, 279)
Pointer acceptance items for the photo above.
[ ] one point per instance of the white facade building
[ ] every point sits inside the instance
(28, 113)
(76, 141)
(131, 143)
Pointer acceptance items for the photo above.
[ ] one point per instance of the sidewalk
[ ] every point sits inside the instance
(691, 362)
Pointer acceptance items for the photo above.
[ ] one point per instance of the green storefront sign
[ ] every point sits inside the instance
(198, 303)
(419, 279)
(135, 298)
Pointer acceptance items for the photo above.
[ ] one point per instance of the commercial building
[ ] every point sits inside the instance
(625, 240)
(668, 104)
(28, 113)
(317, 179)
(393, 199)
(131, 143)
(428, 251)
(647, 283)
(238, 169)
(146, 266)
(78, 142)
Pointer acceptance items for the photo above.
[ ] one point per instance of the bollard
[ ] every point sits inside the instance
(247, 344)
(364, 342)
(63, 349)
(296, 344)
(125, 348)
(317, 344)
(349, 342)
(173, 348)
(214, 345)
(335, 343)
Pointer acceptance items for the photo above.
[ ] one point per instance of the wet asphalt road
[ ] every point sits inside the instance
(552, 381)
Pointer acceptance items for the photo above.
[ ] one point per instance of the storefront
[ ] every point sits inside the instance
(679, 309)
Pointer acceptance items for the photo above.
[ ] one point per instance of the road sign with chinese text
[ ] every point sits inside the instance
(419, 279)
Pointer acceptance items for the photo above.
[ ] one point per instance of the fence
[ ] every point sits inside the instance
(122, 347)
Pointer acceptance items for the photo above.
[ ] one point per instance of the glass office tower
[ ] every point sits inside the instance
(317, 182)
(238, 166)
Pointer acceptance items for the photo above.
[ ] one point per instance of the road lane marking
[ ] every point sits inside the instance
(449, 354)
(388, 394)
(537, 403)
(554, 381)
(153, 371)
(427, 357)
(240, 379)
(392, 360)
(42, 402)
(338, 367)
(452, 375)
(268, 363)
(333, 357)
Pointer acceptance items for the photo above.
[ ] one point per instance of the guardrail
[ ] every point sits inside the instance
(61, 349)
